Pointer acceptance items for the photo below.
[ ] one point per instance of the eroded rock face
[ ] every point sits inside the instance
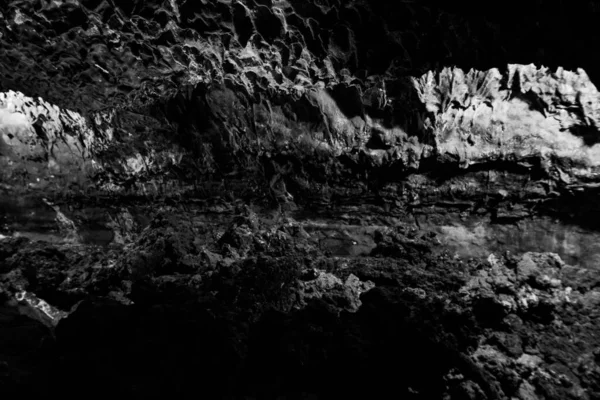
(174, 94)
(39, 140)
(281, 199)
(521, 114)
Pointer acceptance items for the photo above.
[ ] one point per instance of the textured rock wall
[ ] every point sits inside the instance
(41, 140)
(402, 142)
(223, 78)
(323, 106)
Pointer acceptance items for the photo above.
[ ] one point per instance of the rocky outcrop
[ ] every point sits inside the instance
(183, 301)
(521, 114)
(535, 299)
(40, 140)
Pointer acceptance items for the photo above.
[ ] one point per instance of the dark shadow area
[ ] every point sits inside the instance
(589, 134)
(377, 141)
(267, 24)
(243, 24)
(449, 168)
(186, 349)
(233, 332)
(348, 100)
(579, 208)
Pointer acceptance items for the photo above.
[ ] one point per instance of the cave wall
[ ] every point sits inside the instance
(297, 96)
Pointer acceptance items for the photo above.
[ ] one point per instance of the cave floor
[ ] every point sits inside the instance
(239, 302)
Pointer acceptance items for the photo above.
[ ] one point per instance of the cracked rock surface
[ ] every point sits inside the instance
(259, 199)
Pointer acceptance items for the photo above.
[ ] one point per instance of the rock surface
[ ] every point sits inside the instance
(276, 315)
(292, 199)
(166, 93)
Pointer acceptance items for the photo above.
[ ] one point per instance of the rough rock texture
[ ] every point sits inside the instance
(534, 301)
(178, 91)
(291, 199)
(292, 321)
